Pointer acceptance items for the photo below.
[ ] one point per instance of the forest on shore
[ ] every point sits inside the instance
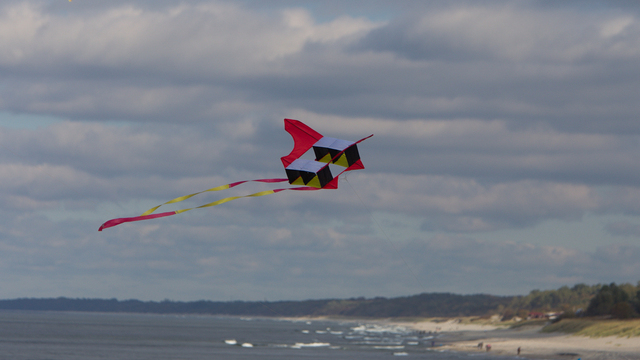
(604, 301)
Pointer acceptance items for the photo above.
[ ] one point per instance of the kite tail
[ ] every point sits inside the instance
(114, 222)
(147, 215)
(217, 188)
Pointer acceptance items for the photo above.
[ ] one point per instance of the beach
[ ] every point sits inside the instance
(454, 335)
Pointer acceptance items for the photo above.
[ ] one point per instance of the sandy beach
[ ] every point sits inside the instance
(456, 336)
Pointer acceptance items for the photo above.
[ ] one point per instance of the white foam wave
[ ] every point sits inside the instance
(231, 342)
(401, 353)
(378, 328)
(247, 345)
(381, 343)
(308, 345)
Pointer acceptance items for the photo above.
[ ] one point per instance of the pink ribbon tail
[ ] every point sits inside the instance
(118, 221)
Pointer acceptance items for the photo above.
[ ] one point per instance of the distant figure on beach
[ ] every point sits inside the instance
(518, 350)
(480, 345)
(488, 347)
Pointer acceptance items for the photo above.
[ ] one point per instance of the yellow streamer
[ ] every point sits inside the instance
(182, 198)
(222, 201)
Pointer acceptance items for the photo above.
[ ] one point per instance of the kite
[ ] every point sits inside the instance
(307, 174)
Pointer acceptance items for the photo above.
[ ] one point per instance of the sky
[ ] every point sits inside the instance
(504, 157)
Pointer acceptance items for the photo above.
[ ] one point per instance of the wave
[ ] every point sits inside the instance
(379, 329)
(381, 342)
(309, 345)
(389, 347)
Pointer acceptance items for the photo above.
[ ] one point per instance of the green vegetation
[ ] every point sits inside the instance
(596, 328)
(607, 313)
(563, 299)
(621, 302)
(616, 301)
(569, 326)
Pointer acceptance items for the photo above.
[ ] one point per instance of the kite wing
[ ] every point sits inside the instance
(328, 150)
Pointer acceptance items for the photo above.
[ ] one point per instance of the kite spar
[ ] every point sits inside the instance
(310, 174)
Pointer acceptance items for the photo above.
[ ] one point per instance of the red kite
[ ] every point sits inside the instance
(313, 174)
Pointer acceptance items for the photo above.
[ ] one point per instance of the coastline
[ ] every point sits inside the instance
(460, 337)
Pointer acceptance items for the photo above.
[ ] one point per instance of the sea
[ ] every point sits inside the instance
(36, 335)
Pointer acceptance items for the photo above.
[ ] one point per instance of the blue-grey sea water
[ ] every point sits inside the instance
(87, 336)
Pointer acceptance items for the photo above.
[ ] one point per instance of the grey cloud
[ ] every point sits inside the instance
(273, 261)
(194, 59)
(508, 32)
(623, 228)
(510, 265)
(564, 58)
(622, 257)
(486, 117)
(455, 204)
(167, 150)
(620, 199)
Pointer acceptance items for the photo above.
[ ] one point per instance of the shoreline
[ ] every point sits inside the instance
(460, 337)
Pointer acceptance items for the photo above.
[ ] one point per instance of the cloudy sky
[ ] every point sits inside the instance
(505, 155)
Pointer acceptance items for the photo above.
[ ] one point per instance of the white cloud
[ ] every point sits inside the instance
(210, 38)
(473, 206)
(616, 26)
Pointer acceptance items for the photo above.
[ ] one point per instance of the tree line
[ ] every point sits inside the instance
(619, 301)
(423, 305)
